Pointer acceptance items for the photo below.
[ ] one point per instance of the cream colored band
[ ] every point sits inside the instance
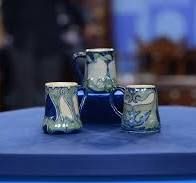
(61, 84)
(99, 49)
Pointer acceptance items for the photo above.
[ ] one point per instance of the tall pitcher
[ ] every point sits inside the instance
(100, 69)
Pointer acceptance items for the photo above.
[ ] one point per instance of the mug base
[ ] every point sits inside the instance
(50, 127)
(136, 131)
(56, 132)
(59, 132)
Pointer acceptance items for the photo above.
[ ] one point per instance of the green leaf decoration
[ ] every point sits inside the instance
(97, 55)
(108, 57)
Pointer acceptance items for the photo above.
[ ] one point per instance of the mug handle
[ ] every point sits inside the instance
(76, 56)
(83, 99)
(112, 100)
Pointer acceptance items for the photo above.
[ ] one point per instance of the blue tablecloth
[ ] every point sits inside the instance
(100, 149)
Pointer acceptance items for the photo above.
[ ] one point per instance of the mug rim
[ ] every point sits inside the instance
(99, 49)
(60, 84)
(141, 86)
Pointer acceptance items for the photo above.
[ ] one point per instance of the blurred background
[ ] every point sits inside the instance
(155, 43)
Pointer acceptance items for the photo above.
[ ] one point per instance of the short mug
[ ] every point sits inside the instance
(140, 109)
(62, 114)
(100, 69)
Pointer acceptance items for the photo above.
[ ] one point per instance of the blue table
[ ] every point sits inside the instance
(101, 149)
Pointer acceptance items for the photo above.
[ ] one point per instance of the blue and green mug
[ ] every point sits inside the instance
(62, 112)
(140, 108)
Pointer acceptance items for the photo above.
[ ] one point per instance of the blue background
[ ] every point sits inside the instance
(148, 19)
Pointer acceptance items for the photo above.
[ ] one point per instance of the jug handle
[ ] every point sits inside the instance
(76, 56)
(83, 98)
(111, 98)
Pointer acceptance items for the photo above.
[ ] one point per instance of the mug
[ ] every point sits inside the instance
(140, 109)
(100, 69)
(62, 113)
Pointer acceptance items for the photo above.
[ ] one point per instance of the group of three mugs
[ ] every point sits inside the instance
(140, 105)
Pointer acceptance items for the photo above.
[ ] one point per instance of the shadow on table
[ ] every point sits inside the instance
(104, 136)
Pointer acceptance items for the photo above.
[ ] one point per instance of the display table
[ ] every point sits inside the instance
(99, 149)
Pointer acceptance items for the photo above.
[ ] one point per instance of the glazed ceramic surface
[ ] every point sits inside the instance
(62, 111)
(100, 69)
(140, 110)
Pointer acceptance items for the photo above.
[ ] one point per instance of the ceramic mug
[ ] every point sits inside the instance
(62, 113)
(100, 69)
(140, 109)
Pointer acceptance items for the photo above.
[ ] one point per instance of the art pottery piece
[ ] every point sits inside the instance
(62, 114)
(140, 109)
(100, 69)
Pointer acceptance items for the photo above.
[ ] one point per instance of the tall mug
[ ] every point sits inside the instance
(62, 114)
(140, 109)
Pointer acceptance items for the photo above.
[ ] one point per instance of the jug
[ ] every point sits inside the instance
(100, 69)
